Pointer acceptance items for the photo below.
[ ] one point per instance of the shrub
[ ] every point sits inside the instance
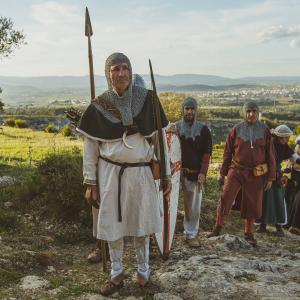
(23, 191)
(66, 131)
(297, 130)
(9, 219)
(269, 123)
(51, 128)
(19, 123)
(10, 122)
(60, 185)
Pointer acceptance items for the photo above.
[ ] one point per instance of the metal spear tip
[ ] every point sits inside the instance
(88, 24)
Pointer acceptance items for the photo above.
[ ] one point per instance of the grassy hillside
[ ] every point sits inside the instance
(22, 147)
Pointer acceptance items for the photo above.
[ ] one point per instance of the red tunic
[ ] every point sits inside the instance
(248, 145)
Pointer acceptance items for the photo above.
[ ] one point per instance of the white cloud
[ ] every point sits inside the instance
(295, 43)
(278, 32)
(220, 41)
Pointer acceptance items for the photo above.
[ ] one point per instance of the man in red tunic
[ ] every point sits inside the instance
(249, 167)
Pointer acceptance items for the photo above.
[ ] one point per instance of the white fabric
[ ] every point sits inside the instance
(139, 204)
(141, 245)
(192, 194)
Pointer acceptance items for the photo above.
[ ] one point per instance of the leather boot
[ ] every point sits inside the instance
(279, 230)
(262, 228)
(113, 285)
(216, 231)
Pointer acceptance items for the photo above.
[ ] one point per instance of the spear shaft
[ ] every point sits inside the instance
(92, 79)
(162, 159)
(89, 33)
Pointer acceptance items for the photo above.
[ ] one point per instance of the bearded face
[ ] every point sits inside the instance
(189, 114)
(251, 115)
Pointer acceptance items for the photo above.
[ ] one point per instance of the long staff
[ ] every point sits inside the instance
(89, 33)
(162, 158)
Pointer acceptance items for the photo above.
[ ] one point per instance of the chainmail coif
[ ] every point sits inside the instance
(131, 102)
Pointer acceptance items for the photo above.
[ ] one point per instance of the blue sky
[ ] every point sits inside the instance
(217, 37)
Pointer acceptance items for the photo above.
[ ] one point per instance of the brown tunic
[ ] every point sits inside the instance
(248, 145)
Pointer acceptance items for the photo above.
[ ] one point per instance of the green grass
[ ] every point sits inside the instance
(23, 147)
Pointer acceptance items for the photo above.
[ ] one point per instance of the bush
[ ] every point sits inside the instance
(19, 123)
(23, 191)
(10, 122)
(67, 131)
(60, 185)
(297, 130)
(51, 129)
(269, 123)
(9, 219)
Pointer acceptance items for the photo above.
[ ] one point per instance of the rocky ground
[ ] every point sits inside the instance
(33, 265)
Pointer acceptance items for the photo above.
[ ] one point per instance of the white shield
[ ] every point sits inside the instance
(164, 239)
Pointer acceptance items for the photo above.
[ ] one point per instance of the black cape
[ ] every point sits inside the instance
(96, 126)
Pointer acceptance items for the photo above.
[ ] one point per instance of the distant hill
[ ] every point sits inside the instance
(17, 90)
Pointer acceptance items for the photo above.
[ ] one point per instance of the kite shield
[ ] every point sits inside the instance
(174, 150)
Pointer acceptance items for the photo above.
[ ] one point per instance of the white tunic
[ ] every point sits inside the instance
(141, 214)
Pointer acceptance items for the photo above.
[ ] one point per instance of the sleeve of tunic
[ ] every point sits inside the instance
(228, 152)
(90, 161)
(207, 151)
(270, 156)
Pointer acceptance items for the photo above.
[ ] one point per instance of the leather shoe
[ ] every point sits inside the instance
(113, 285)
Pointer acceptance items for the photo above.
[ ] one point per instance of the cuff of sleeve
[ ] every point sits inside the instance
(90, 182)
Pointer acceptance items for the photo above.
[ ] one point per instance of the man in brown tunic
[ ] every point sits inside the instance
(248, 147)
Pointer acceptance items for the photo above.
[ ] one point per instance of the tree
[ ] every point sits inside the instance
(1, 103)
(10, 39)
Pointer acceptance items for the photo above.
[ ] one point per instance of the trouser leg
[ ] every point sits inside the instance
(230, 190)
(192, 202)
(116, 256)
(141, 245)
(249, 225)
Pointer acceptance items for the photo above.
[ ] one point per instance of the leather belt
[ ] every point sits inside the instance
(122, 169)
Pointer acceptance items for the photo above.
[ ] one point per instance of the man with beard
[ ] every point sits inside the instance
(117, 127)
(249, 166)
(196, 147)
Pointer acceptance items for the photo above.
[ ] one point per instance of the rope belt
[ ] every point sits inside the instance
(123, 167)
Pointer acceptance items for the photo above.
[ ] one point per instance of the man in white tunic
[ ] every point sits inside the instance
(196, 147)
(95, 255)
(119, 134)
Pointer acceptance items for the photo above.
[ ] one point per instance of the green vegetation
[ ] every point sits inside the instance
(21, 123)
(45, 220)
(9, 37)
(10, 122)
(22, 148)
(51, 128)
(1, 105)
(67, 131)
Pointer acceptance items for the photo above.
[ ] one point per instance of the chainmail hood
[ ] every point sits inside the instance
(249, 105)
(251, 132)
(131, 102)
(183, 127)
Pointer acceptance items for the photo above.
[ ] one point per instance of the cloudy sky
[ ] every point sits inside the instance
(217, 37)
